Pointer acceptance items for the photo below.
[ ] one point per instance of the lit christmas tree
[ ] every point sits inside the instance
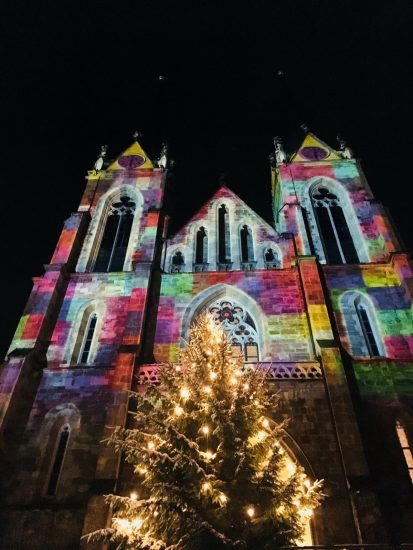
(211, 470)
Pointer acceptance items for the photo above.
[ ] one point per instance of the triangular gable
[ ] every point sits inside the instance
(133, 157)
(314, 149)
(222, 193)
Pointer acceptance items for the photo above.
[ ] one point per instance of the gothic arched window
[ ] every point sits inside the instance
(238, 326)
(177, 262)
(115, 237)
(366, 323)
(224, 245)
(58, 458)
(88, 336)
(406, 448)
(247, 249)
(334, 232)
(201, 247)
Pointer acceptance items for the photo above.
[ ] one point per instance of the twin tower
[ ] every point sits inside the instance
(322, 300)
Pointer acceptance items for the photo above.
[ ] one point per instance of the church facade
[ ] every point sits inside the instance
(322, 300)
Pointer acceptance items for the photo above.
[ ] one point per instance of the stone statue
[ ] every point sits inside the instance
(101, 159)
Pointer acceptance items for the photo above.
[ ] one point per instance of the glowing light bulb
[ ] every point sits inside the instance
(123, 524)
(213, 375)
(266, 423)
(238, 372)
(151, 445)
(246, 386)
(250, 511)
(178, 368)
(307, 483)
(291, 467)
(137, 523)
(281, 509)
(134, 496)
(222, 498)
(141, 470)
(205, 430)
(206, 486)
(261, 435)
(156, 513)
(208, 352)
(179, 410)
(233, 380)
(209, 455)
(208, 390)
(296, 503)
(184, 393)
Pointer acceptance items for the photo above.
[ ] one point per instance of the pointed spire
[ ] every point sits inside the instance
(137, 135)
(101, 159)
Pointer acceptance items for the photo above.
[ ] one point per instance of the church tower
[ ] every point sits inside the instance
(321, 300)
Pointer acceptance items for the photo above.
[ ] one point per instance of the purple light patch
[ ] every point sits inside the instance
(131, 161)
(313, 153)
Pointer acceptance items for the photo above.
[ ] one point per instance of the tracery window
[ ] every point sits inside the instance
(115, 238)
(366, 326)
(335, 234)
(59, 456)
(86, 347)
(406, 448)
(238, 326)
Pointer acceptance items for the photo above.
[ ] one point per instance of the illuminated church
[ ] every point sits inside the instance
(321, 299)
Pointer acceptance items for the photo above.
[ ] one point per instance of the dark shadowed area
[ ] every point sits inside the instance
(75, 76)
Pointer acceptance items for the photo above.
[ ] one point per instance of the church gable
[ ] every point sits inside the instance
(226, 235)
(313, 149)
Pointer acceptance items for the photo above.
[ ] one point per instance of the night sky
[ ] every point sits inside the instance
(75, 76)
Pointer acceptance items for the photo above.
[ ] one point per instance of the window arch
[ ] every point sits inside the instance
(247, 248)
(406, 447)
(362, 328)
(224, 237)
(239, 327)
(201, 249)
(115, 236)
(332, 225)
(177, 262)
(88, 337)
(58, 458)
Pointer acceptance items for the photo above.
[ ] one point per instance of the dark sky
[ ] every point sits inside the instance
(78, 75)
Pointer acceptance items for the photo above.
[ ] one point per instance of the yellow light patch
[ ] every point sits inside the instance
(311, 140)
(134, 149)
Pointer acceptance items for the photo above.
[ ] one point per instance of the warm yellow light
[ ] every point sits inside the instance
(213, 375)
(291, 467)
(233, 380)
(261, 435)
(305, 512)
(179, 410)
(123, 524)
(251, 511)
(137, 523)
(134, 496)
(307, 483)
(246, 386)
(205, 430)
(156, 513)
(222, 498)
(238, 372)
(281, 509)
(206, 486)
(296, 503)
(208, 390)
(151, 445)
(208, 352)
(178, 368)
(266, 423)
(141, 470)
(209, 455)
(184, 393)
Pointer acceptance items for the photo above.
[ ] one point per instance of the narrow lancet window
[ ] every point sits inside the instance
(247, 251)
(224, 248)
(335, 234)
(84, 355)
(115, 238)
(58, 461)
(201, 246)
(366, 327)
(406, 448)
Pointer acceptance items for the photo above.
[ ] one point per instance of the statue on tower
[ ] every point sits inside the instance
(280, 155)
(163, 157)
(101, 159)
(345, 150)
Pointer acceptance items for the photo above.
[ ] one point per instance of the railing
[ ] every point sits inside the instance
(248, 266)
(150, 373)
(271, 265)
(224, 266)
(200, 267)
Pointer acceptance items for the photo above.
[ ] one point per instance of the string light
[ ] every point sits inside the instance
(205, 430)
(266, 423)
(209, 455)
(250, 511)
(222, 498)
(151, 445)
(206, 486)
(156, 513)
(246, 386)
(134, 496)
(178, 368)
(184, 393)
(261, 435)
(137, 523)
(291, 467)
(208, 390)
(213, 375)
(307, 483)
(179, 410)
(141, 470)
(233, 380)
(238, 372)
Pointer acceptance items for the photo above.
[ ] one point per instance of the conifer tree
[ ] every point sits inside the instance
(206, 450)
